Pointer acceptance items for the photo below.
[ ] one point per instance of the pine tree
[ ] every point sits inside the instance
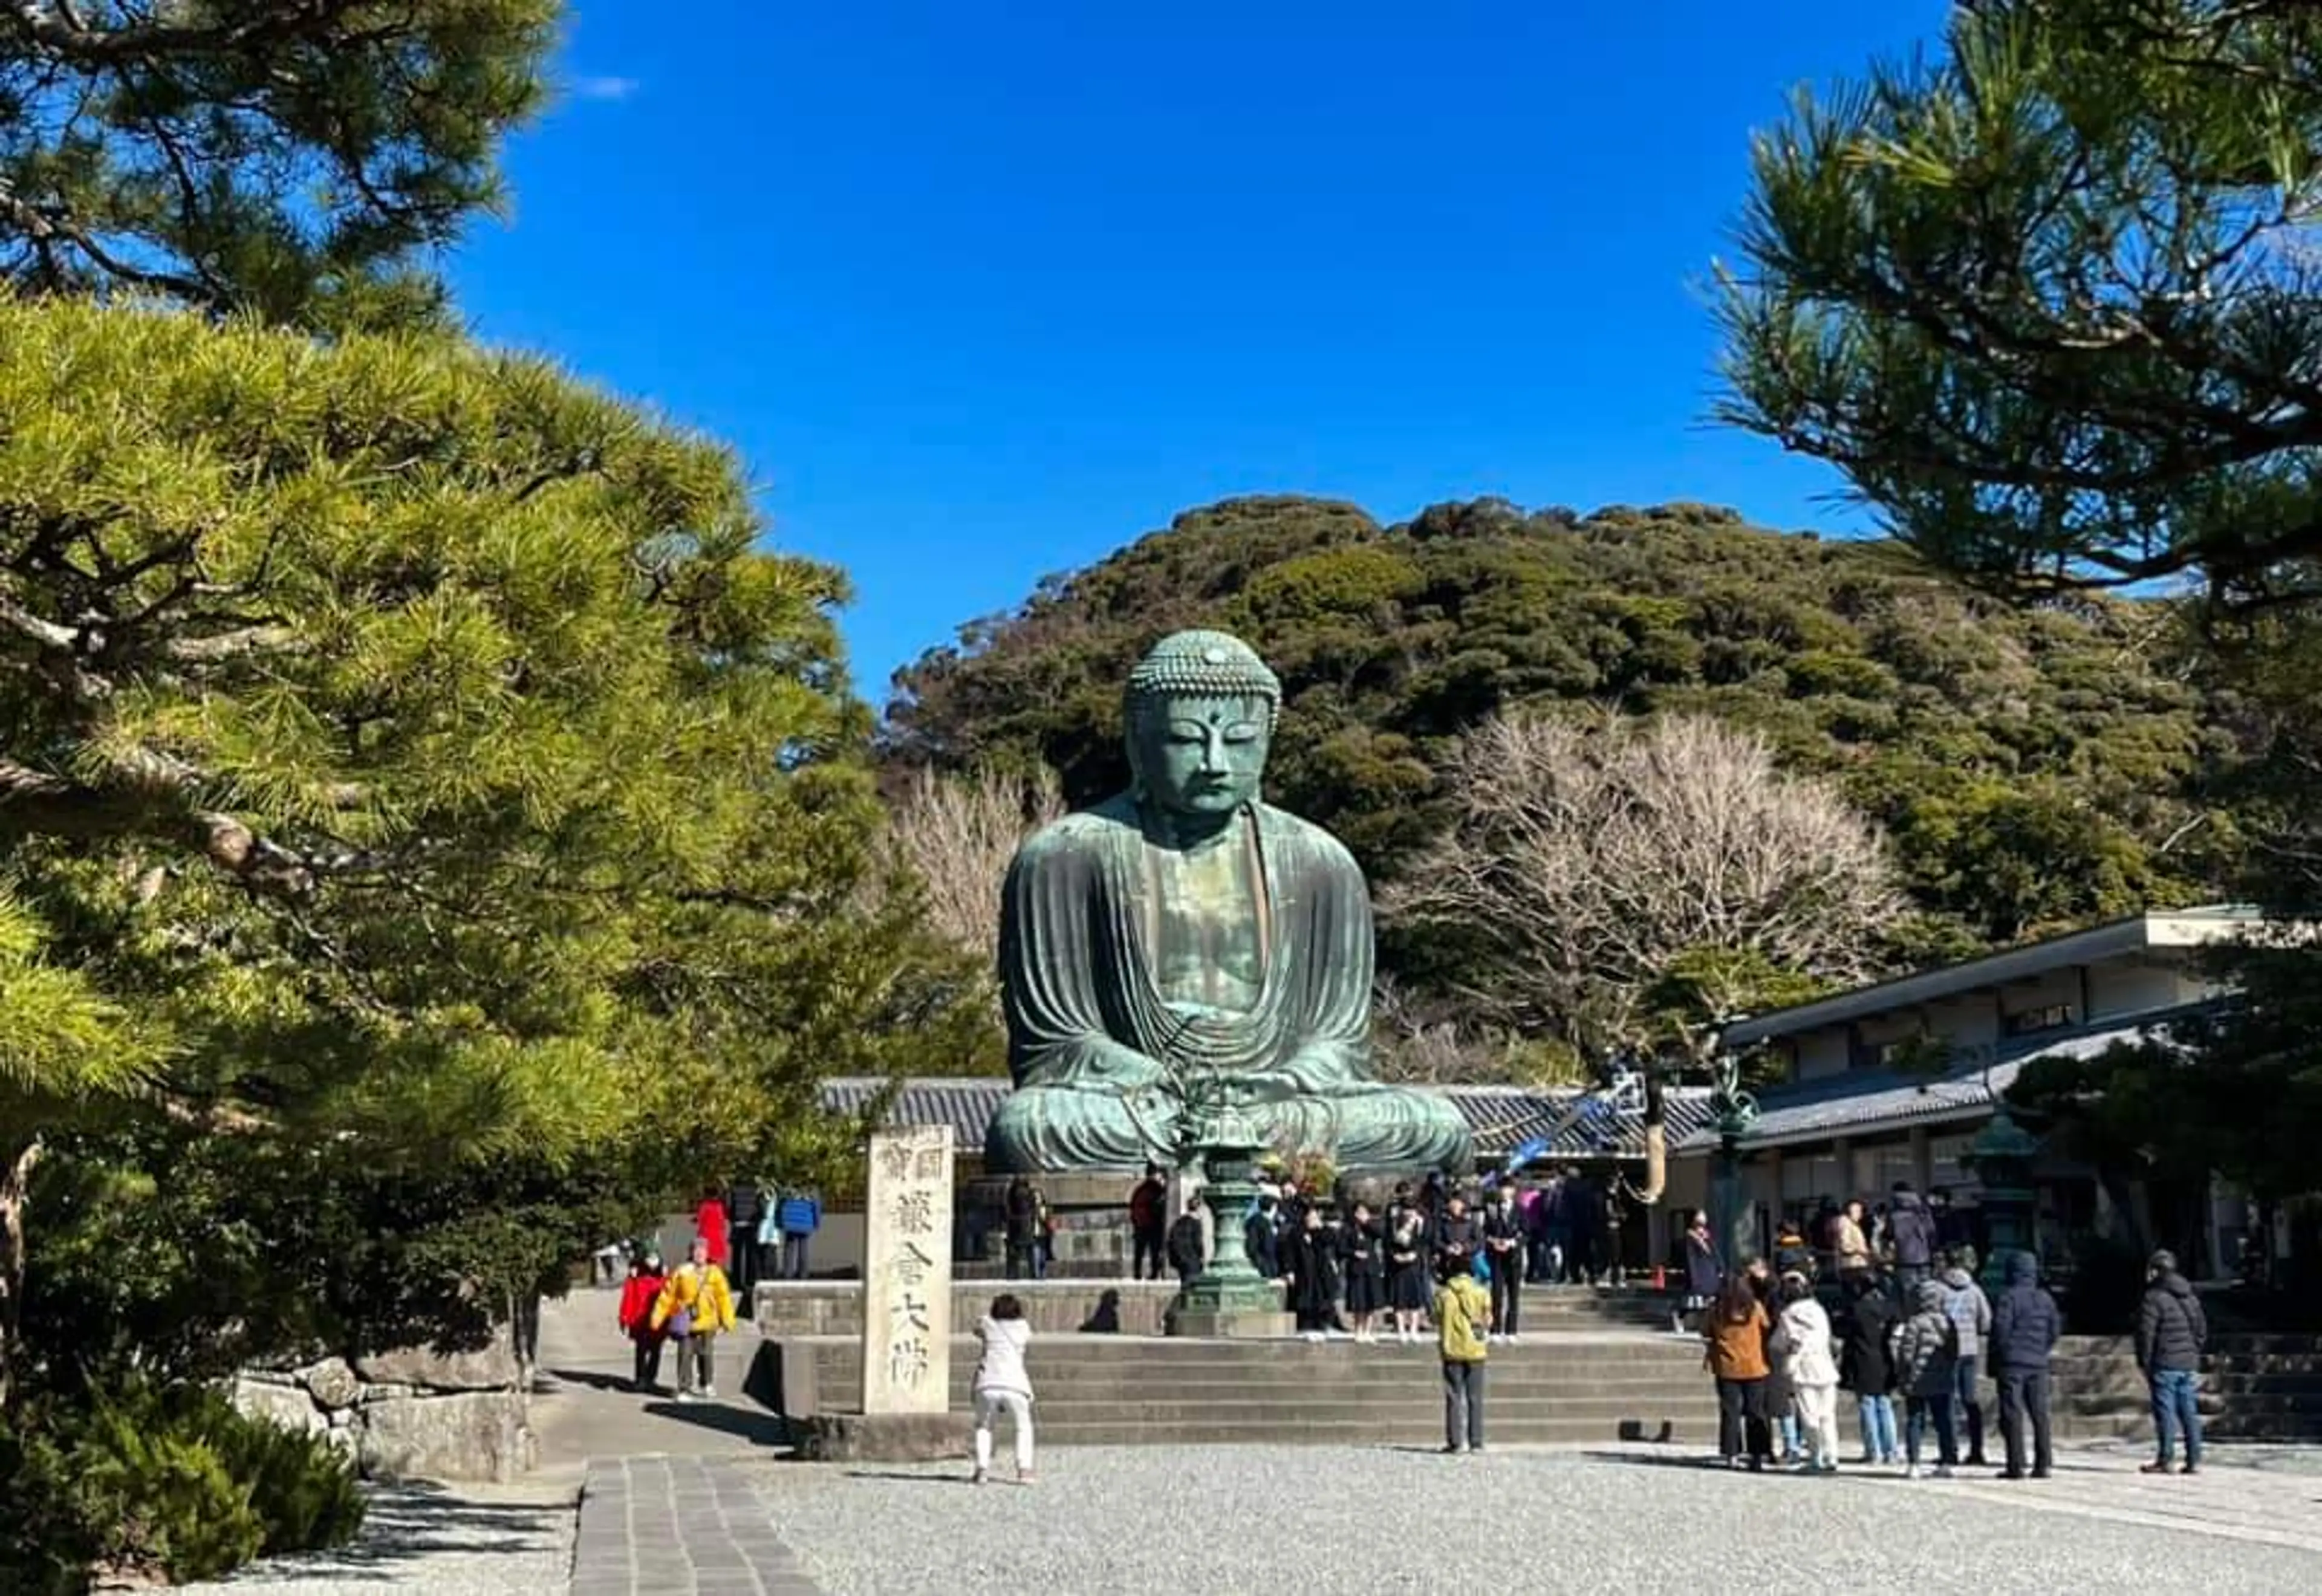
(409, 750)
(2049, 297)
(291, 158)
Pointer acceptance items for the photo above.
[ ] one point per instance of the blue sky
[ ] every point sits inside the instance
(983, 292)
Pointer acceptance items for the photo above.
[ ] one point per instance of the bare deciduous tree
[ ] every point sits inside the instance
(1422, 1041)
(957, 834)
(1595, 864)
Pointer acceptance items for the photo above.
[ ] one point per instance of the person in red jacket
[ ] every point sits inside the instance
(711, 1226)
(638, 1294)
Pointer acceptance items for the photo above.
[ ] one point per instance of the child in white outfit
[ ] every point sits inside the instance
(1812, 1368)
(1000, 1381)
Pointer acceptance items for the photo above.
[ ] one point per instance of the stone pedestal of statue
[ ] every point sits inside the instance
(1229, 1299)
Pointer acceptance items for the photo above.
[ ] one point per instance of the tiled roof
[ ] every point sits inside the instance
(965, 1103)
(1870, 1101)
(2176, 929)
(1502, 1116)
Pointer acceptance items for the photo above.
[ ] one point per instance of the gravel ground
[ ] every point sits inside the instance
(481, 1540)
(1130, 1522)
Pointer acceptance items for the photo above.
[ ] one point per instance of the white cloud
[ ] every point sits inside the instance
(602, 88)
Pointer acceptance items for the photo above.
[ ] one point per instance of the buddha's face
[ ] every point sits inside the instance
(1202, 756)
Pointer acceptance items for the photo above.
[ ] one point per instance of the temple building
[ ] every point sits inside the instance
(1892, 1081)
(1886, 1082)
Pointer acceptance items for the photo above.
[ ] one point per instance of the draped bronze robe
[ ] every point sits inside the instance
(1090, 1034)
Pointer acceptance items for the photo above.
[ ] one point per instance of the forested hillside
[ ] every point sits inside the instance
(2033, 770)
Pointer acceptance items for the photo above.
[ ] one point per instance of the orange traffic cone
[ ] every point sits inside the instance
(1660, 1277)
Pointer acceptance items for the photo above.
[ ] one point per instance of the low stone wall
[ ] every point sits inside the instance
(409, 1414)
(1053, 1306)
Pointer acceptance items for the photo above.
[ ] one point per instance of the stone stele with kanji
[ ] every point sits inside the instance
(906, 1272)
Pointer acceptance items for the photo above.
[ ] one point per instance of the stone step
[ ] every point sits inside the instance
(2126, 1381)
(1605, 1384)
(2238, 1344)
(1060, 1303)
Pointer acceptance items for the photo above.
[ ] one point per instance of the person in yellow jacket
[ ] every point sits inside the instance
(1463, 1319)
(695, 1307)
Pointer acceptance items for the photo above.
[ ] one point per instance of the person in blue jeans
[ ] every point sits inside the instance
(2170, 1332)
(1863, 1368)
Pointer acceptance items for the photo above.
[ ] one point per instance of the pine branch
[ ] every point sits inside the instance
(155, 803)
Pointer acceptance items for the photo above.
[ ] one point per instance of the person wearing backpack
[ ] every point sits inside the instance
(1463, 1319)
(1924, 1366)
(696, 1306)
(2170, 1332)
(797, 1215)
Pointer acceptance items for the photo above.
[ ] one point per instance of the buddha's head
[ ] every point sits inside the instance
(1199, 708)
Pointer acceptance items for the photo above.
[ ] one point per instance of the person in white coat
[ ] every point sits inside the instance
(1002, 1381)
(1813, 1367)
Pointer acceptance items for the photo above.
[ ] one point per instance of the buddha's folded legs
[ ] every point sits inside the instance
(1372, 1128)
(1062, 1128)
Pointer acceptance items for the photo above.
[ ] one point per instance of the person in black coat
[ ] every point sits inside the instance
(1910, 1230)
(1312, 1265)
(1363, 1261)
(1584, 1223)
(1261, 1238)
(2170, 1332)
(746, 1201)
(1863, 1367)
(1406, 1263)
(1456, 1234)
(2025, 1325)
(1704, 1270)
(1185, 1243)
(1503, 1247)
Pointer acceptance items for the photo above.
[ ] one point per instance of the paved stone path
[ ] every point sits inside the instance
(679, 1527)
(690, 1501)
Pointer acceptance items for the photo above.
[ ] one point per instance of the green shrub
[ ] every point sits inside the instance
(41, 1550)
(159, 1497)
(144, 1481)
(303, 1488)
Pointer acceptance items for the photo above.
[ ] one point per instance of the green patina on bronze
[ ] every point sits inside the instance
(1185, 932)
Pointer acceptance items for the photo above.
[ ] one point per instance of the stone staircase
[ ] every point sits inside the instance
(1131, 1390)
(1060, 1304)
(2255, 1388)
(1579, 1377)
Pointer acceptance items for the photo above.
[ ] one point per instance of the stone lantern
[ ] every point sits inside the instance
(1227, 1298)
(2001, 1156)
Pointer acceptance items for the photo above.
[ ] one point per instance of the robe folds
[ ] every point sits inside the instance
(1092, 1038)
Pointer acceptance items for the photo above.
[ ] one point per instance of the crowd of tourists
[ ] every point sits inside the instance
(1363, 1265)
(1907, 1329)
(743, 1233)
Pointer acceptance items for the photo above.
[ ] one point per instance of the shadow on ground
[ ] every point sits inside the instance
(594, 1379)
(762, 1428)
(409, 1523)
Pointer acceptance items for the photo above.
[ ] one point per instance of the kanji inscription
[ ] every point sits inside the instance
(906, 1272)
